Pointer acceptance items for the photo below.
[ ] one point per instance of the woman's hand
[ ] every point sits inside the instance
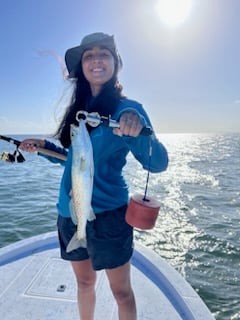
(130, 125)
(32, 145)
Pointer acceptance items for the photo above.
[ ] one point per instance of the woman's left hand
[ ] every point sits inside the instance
(130, 125)
(32, 145)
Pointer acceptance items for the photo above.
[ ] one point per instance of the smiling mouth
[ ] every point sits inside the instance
(97, 70)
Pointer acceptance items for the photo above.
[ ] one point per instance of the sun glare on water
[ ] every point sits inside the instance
(174, 12)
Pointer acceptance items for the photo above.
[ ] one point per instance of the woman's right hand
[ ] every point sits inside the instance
(32, 145)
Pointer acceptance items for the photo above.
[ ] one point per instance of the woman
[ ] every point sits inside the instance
(94, 65)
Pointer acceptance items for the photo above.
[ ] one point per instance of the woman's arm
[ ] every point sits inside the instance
(45, 148)
(142, 147)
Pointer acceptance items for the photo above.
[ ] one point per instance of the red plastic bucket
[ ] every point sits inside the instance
(142, 213)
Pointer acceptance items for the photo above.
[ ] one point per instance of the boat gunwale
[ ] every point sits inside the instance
(146, 261)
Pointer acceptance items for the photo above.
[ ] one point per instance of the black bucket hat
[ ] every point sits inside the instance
(73, 56)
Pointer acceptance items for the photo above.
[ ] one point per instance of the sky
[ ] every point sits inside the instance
(186, 76)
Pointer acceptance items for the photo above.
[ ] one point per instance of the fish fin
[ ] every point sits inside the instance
(91, 171)
(83, 164)
(72, 212)
(75, 243)
(91, 215)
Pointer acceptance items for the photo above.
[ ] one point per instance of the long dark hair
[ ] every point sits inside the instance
(105, 103)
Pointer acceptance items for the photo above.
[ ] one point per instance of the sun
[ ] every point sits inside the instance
(174, 12)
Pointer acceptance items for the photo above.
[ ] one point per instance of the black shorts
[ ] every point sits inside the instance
(109, 239)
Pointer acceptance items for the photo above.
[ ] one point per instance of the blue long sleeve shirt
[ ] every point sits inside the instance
(110, 190)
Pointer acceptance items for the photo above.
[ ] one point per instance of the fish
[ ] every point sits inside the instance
(82, 172)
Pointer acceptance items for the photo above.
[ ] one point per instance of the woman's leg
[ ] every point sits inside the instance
(120, 283)
(86, 279)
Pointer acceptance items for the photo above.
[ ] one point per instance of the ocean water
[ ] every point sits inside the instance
(198, 227)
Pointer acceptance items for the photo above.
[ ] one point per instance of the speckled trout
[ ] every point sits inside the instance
(82, 183)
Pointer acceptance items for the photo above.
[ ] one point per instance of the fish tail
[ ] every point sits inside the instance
(76, 243)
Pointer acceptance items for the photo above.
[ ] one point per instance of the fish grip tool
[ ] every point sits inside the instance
(94, 120)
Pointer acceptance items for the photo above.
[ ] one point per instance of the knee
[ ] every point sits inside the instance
(85, 284)
(123, 296)
(85, 275)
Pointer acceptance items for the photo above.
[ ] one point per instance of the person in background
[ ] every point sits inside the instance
(93, 68)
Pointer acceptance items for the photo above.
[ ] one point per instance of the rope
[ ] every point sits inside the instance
(148, 174)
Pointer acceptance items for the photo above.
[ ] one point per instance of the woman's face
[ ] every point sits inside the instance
(98, 67)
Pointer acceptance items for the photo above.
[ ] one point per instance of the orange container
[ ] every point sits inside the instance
(142, 213)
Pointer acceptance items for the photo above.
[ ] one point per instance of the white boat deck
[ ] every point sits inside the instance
(41, 286)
